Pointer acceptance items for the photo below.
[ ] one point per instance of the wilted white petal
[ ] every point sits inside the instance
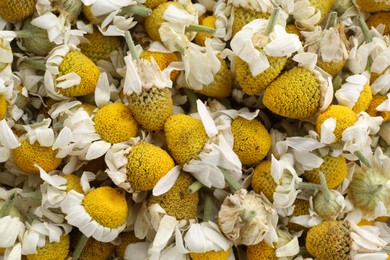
(97, 149)
(166, 182)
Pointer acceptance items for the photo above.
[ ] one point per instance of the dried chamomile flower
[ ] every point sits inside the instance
(99, 47)
(335, 119)
(15, 11)
(126, 238)
(356, 93)
(298, 93)
(53, 250)
(286, 248)
(247, 218)
(334, 168)
(330, 44)
(251, 140)
(261, 52)
(28, 155)
(70, 73)
(308, 13)
(115, 123)
(262, 181)
(103, 212)
(373, 5)
(95, 249)
(380, 18)
(147, 89)
(374, 109)
(185, 136)
(163, 60)
(342, 240)
(173, 200)
(147, 164)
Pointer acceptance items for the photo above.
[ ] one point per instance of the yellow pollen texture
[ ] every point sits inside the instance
(73, 183)
(115, 123)
(3, 107)
(262, 180)
(106, 206)
(53, 250)
(261, 251)
(211, 255)
(26, 155)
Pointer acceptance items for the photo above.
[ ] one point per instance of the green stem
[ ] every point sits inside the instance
(30, 217)
(191, 97)
(131, 45)
(38, 65)
(23, 34)
(324, 186)
(7, 206)
(337, 82)
(367, 37)
(363, 159)
(194, 187)
(200, 29)
(80, 246)
(272, 21)
(230, 180)
(207, 211)
(331, 20)
(137, 9)
(308, 186)
(36, 195)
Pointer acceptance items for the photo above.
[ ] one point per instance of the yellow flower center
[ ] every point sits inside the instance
(26, 155)
(3, 107)
(344, 116)
(147, 165)
(261, 251)
(73, 183)
(262, 180)
(106, 206)
(115, 123)
(96, 250)
(53, 250)
(211, 255)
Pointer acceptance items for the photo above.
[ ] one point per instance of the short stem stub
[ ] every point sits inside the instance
(308, 186)
(191, 97)
(272, 21)
(207, 211)
(363, 159)
(325, 188)
(194, 187)
(331, 20)
(131, 45)
(137, 9)
(200, 29)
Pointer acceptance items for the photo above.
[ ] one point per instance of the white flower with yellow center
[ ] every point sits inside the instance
(350, 91)
(39, 233)
(100, 213)
(253, 37)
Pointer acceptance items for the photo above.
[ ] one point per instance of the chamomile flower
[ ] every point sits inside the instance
(100, 213)
(355, 93)
(262, 53)
(70, 73)
(248, 218)
(207, 153)
(53, 250)
(368, 189)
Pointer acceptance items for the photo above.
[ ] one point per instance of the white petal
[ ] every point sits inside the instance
(102, 91)
(15, 253)
(68, 80)
(290, 249)
(97, 149)
(327, 129)
(164, 233)
(166, 182)
(9, 231)
(307, 60)
(207, 121)
(63, 138)
(7, 137)
(137, 251)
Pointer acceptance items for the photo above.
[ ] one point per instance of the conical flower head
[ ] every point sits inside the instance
(329, 240)
(262, 180)
(380, 18)
(147, 164)
(185, 136)
(75, 61)
(99, 46)
(251, 140)
(255, 84)
(334, 169)
(152, 107)
(14, 11)
(243, 16)
(295, 94)
(372, 6)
